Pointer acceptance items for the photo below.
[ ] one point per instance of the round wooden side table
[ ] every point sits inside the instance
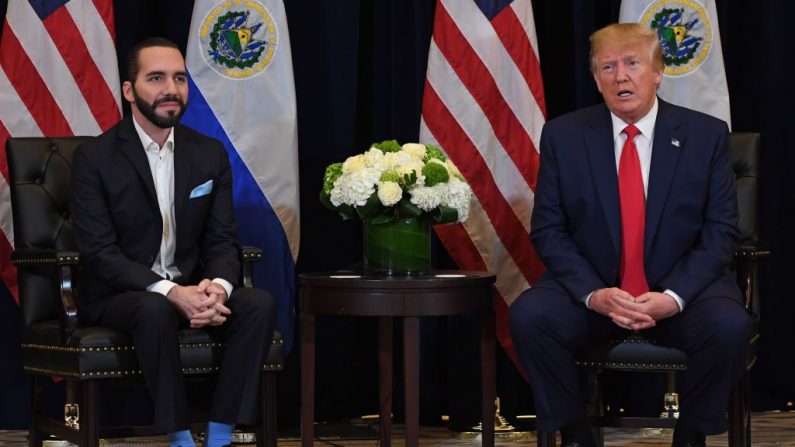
(406, 298)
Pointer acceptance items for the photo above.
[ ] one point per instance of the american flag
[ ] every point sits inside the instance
(484, 106)
(58, 77)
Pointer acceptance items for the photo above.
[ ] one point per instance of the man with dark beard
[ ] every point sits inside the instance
(151, 202)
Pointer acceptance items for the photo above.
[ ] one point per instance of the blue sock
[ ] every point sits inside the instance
(181, 438)
(218, 434)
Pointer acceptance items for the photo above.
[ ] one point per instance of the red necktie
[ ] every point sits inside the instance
(633, 216)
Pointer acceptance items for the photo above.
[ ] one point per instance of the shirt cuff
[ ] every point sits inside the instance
(587, 299)
(225, 284)
(162, 287)
(679, 301)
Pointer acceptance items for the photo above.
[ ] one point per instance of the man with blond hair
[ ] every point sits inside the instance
(635, 219)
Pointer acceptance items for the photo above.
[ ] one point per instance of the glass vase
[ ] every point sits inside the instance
(397, 247)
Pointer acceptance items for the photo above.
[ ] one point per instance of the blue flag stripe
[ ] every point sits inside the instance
(257, 223)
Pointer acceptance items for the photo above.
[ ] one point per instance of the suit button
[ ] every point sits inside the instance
(150, 259)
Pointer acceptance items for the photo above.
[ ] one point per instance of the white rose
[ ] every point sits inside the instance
(353, 164)
(452, 169)
(373, 157)
(389, 193)
(415, 149)
(409, 167)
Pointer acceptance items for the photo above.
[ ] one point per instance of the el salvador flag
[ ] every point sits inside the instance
(242, 93)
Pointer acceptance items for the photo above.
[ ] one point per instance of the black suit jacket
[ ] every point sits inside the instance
(691, 206)
(118, 225)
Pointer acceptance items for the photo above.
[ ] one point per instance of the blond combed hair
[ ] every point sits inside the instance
(624, 34)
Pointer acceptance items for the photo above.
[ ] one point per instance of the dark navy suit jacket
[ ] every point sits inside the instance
(118, 225)
(691, 207)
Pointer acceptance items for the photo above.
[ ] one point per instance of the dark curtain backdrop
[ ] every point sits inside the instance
(359, 73)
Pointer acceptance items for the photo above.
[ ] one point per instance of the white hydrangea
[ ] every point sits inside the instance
(428, 198)
(415, 149)
(354, 188)
(458, 196)
(389, 193)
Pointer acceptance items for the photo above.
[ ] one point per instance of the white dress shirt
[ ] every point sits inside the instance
(161, 164)
(643, 144)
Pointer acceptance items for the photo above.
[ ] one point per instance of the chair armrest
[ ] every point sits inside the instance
(249, 255)
(62, 261)
(751, 251)
(29, 256)
(745, 262)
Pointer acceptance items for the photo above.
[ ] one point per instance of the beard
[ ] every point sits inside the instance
(148, 110)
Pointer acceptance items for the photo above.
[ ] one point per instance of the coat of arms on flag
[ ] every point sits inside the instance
(240, 41)
(685, 33)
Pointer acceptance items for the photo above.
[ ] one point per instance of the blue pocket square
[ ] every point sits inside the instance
(202, 190)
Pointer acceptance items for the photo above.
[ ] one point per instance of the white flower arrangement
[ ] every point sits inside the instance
(390, 181)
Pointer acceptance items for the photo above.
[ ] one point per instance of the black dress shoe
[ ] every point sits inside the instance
(577, 434)
(686, 435)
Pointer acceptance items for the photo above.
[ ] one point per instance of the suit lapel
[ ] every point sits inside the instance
(182, 164)
(601, 153)
(132, 148)
(668, 143)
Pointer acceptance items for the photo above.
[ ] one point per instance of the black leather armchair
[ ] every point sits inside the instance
(53, 344)
(636, 353)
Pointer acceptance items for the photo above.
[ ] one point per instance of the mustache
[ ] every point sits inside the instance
(169, 98)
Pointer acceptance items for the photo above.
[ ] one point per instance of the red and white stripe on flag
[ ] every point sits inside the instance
(59, 76)
(484, 106)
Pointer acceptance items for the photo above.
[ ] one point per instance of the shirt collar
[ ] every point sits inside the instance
(148, 142)
(645, 125)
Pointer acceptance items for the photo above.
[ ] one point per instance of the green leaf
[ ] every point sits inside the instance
(444, 215)
(370, 208)
(381, 219)
(408, 209)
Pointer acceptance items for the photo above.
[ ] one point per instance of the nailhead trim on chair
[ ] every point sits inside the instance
(247, 256)
(52, 348)
(681, 366)
(130, 372)
(48, 260)
(122, 348)
(124, 373)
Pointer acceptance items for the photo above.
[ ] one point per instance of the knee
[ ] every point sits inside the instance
(254, 303)
(525, 318)
(154, 311)
(729, 332)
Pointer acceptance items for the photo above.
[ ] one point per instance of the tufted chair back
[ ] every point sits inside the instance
(41, 170)
(744, 148)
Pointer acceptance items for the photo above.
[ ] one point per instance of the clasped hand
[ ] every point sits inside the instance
(633, 312)
(202, 304)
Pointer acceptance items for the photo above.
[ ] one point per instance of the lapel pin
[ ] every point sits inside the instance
(674, 142)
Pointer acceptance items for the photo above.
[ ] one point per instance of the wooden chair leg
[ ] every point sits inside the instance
(740, 414)
(35, 436)
(595, 405)
(266, 432)
(545, 438)
(89, 413)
